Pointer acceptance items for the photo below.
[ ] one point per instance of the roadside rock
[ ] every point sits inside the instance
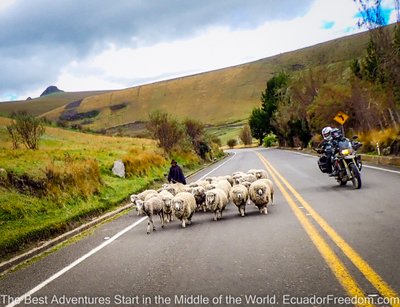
(119, 169)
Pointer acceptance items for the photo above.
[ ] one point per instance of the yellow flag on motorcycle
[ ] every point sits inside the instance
(341, 117)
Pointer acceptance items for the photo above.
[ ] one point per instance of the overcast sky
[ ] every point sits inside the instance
(100, 44)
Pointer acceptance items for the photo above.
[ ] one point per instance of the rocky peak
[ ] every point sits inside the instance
(50, 90)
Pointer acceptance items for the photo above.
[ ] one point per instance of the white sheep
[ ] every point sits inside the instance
(222, 184)
(216, 201)
(224, 177)
(141, 196)
(252, 171)
(167, 205)
(238, 179)
(271, 186)
(198, 183)
(262, 174)
(239, 196)
(260, 194)
(151, 207)
(174, 188)
(184, 205)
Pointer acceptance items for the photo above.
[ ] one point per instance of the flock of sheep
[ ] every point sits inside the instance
(211, 194)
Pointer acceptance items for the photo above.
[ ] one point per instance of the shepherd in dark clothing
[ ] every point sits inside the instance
(176, 174)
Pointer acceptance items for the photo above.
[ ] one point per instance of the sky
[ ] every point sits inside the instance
(100, 44)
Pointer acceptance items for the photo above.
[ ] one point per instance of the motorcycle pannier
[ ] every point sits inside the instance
(323, 164)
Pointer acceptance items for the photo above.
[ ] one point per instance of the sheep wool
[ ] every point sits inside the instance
(184, 206)
(216, 201)
(151, 207)
(239, 196)
(167, 205)
(260, 194)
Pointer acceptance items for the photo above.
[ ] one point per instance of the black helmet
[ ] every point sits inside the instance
(336, 133)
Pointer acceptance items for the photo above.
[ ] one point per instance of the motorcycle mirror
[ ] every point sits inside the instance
(355, 137)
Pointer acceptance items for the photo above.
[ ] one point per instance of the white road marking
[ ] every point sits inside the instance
(22, 298)
(204, 176)
(381, 169)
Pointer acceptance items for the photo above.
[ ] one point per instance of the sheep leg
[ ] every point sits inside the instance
(265, 210)
(215, 215)
(162, 219)
(190, 218)
(183, 223)
(241, 210)
(149, 222)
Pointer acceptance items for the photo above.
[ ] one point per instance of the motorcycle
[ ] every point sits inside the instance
(346, 162)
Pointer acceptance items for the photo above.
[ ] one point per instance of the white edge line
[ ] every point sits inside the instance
(381, 169)
(22, 298)
(234, 154)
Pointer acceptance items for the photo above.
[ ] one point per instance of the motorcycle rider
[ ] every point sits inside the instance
(328, 147)
(335, 137)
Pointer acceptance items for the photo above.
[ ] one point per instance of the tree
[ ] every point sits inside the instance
(167, 131)
(275, 91)
(27, 129)
(245, 135)
(231, 143)
(259, 124)
(260, 120)
(382, 61)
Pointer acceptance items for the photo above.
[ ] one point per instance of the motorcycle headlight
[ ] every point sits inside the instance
(345, 152)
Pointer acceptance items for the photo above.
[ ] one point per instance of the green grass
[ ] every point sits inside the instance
(27, 218)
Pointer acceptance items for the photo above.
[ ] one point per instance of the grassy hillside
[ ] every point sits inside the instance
(216, 97)
(69, 179)
(40, 105)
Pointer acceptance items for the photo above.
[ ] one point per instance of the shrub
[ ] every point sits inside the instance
(27, 129)
(166, 130)
(142, 163)
(385, 138)
(245, 135)
(73, 176)
(270, 140)
(231, 143)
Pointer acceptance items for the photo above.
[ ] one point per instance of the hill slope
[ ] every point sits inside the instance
(40, 105)
(216, 97)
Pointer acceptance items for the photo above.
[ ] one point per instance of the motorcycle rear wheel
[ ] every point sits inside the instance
(356, 180)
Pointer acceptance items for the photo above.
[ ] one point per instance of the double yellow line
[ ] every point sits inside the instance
(335, 264)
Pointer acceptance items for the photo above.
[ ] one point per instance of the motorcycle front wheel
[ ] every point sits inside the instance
(356, 176)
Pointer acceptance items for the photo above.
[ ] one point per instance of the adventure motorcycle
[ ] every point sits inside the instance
(346, 163)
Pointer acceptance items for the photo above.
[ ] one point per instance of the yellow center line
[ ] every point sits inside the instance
(335, 264)
(381, 286)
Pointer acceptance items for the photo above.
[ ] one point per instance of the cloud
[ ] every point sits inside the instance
(40, 38)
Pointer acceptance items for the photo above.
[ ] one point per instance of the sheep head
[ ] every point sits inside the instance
(167, 200)
(178, 204)
(210, 198)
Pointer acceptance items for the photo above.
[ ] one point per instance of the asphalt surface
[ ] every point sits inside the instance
(319, 243)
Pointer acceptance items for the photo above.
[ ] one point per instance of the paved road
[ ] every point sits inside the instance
(320, 245)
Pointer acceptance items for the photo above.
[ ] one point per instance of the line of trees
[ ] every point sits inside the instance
(298, 105)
